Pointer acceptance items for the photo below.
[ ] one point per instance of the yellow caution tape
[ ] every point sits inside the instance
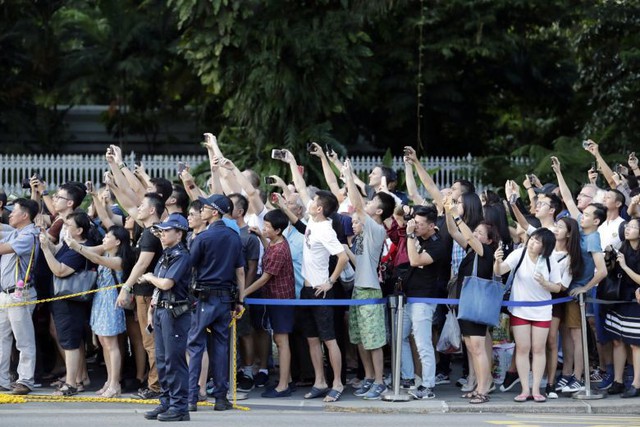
(91, 291)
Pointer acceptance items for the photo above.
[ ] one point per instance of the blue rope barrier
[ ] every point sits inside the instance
(349, 302)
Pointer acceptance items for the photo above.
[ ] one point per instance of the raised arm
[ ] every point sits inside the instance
(354, 194)
(607, 172)
(426, 179)
(253, 195)
(461, 231)
(410, 180)
(567, 197)
(512, 192)
(329, 175)
(298, 180)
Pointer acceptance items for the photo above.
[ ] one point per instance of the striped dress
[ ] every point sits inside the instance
(622, 321)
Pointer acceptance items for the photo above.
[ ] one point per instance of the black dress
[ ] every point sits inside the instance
(622, 321)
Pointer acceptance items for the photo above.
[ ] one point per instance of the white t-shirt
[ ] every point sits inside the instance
(564, 260)
(609, 233)
(257, 220)
(525, 287)
(367, 248)
(320, 242)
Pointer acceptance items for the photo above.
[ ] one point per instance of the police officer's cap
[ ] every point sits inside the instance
(175, 220)
(217, 202)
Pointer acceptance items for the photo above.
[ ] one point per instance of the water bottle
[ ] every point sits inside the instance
(541, 266)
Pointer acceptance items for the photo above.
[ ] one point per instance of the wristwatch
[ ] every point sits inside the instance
(411, 236)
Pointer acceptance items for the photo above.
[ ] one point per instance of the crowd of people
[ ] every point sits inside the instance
(173, 264)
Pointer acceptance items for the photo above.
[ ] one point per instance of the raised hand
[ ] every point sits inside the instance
(555, 165)
(316, 150)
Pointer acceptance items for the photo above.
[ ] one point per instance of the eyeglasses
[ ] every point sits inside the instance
(57, 196)
(206, 207)
(540, 204)
(632, 227)
(585, 195)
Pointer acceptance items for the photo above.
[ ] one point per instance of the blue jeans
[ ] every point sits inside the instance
(418, 319)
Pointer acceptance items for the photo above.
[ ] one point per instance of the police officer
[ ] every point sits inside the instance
(216, 255)
(171, 320)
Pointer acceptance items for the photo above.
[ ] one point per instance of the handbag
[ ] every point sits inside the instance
(450, 341)
(480, 299)
(79, 281)
(610, 289)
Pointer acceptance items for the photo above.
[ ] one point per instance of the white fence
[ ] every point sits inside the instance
(57, 169)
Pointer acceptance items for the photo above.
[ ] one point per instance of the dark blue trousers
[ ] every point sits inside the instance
(215, 314)
(171, 359)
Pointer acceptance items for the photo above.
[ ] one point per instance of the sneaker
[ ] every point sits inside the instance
(562, 382)
(550, 391)
(607, 381)
(146, 394)
(573, 386)
(375, 393)
(510, 379)
(364, 388)
(245, 382)
(422, 393)
(596, 375)
(461, 381)
(408, 384)
(261, 379)
(442, 379)
(21, 389)
(616, 388)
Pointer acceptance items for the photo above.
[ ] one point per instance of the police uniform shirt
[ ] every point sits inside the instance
(215, 255)
(175, 264)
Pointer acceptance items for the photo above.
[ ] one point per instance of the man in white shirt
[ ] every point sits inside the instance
(320, 243)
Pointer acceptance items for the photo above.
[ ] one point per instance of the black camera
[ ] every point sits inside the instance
(26, 181)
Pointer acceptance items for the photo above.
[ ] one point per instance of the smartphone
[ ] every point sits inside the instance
(593, 166)
(513, 198)
(310, 147)
(586, 144)
(632, 156)
(89, 186)
(269, 180)
(278, 154)
(274, 198)
(532, 179)
(406, 151)
(181, 167)
(621, 170)
(327, 148)
(149, 329)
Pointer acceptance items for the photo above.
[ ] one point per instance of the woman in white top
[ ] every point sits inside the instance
(567, 255)
(535, 277)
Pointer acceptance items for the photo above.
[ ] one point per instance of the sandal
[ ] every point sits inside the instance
(522, 398)
(316, 392)
(479, 398)
(58, 383)
(470, 395)
(539, 398)
(103, 389)
(66, 390)
(110, 393)
(333, 395)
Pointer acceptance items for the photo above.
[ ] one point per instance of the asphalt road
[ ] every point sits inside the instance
(34, 414)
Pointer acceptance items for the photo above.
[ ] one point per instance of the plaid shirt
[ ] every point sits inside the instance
(457, 255)
(278, 263)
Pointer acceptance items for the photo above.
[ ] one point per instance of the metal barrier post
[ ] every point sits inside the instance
(233, 394)
(396, 303)
(587, 394)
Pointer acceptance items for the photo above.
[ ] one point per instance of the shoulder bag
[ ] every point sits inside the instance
(480, 299)
(79, 281)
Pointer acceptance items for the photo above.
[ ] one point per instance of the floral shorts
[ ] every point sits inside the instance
(367, 322)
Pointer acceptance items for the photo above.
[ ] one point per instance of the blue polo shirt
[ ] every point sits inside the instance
(215, 255)
(175, 264)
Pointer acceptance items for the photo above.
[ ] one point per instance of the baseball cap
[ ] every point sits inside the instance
(217, 202)
(175, 220)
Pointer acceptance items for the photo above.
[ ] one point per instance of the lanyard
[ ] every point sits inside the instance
(26, 276)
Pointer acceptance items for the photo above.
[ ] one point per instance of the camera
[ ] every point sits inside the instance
(269, 180)
(26, 181)
(278, 154)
